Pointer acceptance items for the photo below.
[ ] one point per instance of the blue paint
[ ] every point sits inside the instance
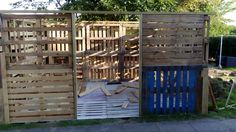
(178, 82)
(150, 81)
(171, 96)
(158, 85)
(165, 90)
(184, 89)
(191, 89)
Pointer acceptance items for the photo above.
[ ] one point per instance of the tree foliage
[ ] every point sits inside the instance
(218, 8)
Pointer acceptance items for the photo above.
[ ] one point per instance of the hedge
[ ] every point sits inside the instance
(229, 46)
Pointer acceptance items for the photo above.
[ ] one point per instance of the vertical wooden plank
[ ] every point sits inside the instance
(4, 88)
(171, 96)
(39, 46)
(140, 67)
(165, 89)
(191, 84)
(184, 89)
(158, 85)
(74, 70)
(143, 90)
(121, 52)
(205, 90)
(150, 87)
(178, 82)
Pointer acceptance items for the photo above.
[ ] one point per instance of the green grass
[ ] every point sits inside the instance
(229, 68)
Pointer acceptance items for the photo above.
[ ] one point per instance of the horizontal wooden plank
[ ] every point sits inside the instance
(40, 78)
(40, 90)
(41, 101)
(171, 48)
(42, 83)
(43, 42)
(172, 40)
(41, 118)
(172, 62)
(55, 53)
(41, 113)
(170, 32)
(37, 67)
(171, 55)
(30, 29)
(35, 16)
(39, 95)
(155, 25)
(26, 71)
(173, 18)
(35, 107)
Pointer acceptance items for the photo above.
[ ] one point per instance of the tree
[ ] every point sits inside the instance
(217, 9)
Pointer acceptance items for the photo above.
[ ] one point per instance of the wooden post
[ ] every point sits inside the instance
(121, 53)
(4, 88)
(74, 47)
(205, 90)
(140, 65)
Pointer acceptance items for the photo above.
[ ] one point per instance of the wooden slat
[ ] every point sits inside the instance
(184, 89)
(37, 16)
(172, 40)
(150, 80)
(4, 87)
(159, 90)
(173, 18)
(30, 29)
(39, 113)
(37, 90)
(57, 41)
(39, 71)
(43, 118)
(171, 62)
(178, 85)
(32, 84)
(172, 25)
(56, 53)
(52, 95)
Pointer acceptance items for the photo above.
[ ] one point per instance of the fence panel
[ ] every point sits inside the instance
(175, 48)
(38, 54)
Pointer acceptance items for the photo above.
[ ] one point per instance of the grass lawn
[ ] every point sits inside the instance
(229, 68)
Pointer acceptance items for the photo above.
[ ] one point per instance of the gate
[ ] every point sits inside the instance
(35, 88)
(173, 53)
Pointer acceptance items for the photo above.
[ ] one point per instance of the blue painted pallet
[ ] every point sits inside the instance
(170, 89)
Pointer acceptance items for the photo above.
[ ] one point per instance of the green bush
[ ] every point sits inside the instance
(229, 46)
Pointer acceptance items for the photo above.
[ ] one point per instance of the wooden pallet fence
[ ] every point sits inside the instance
(38, 53)
(173, 46)
(107, 50)
(171, 89)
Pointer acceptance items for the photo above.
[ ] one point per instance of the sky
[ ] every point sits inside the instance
(4, 5)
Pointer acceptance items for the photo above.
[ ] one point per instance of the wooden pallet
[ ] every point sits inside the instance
(98, 106)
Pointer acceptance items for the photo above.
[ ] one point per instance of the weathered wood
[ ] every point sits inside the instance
(88, 91)
(105, 91)
(4, 88)
(205, 91)
(125, 105)
(120, 89)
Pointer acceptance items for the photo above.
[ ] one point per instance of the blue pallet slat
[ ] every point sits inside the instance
(165, 90)
(158, 85)
(178, 84)
(171, 96)
(191, 89)
(150, 80)
(184, 89)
